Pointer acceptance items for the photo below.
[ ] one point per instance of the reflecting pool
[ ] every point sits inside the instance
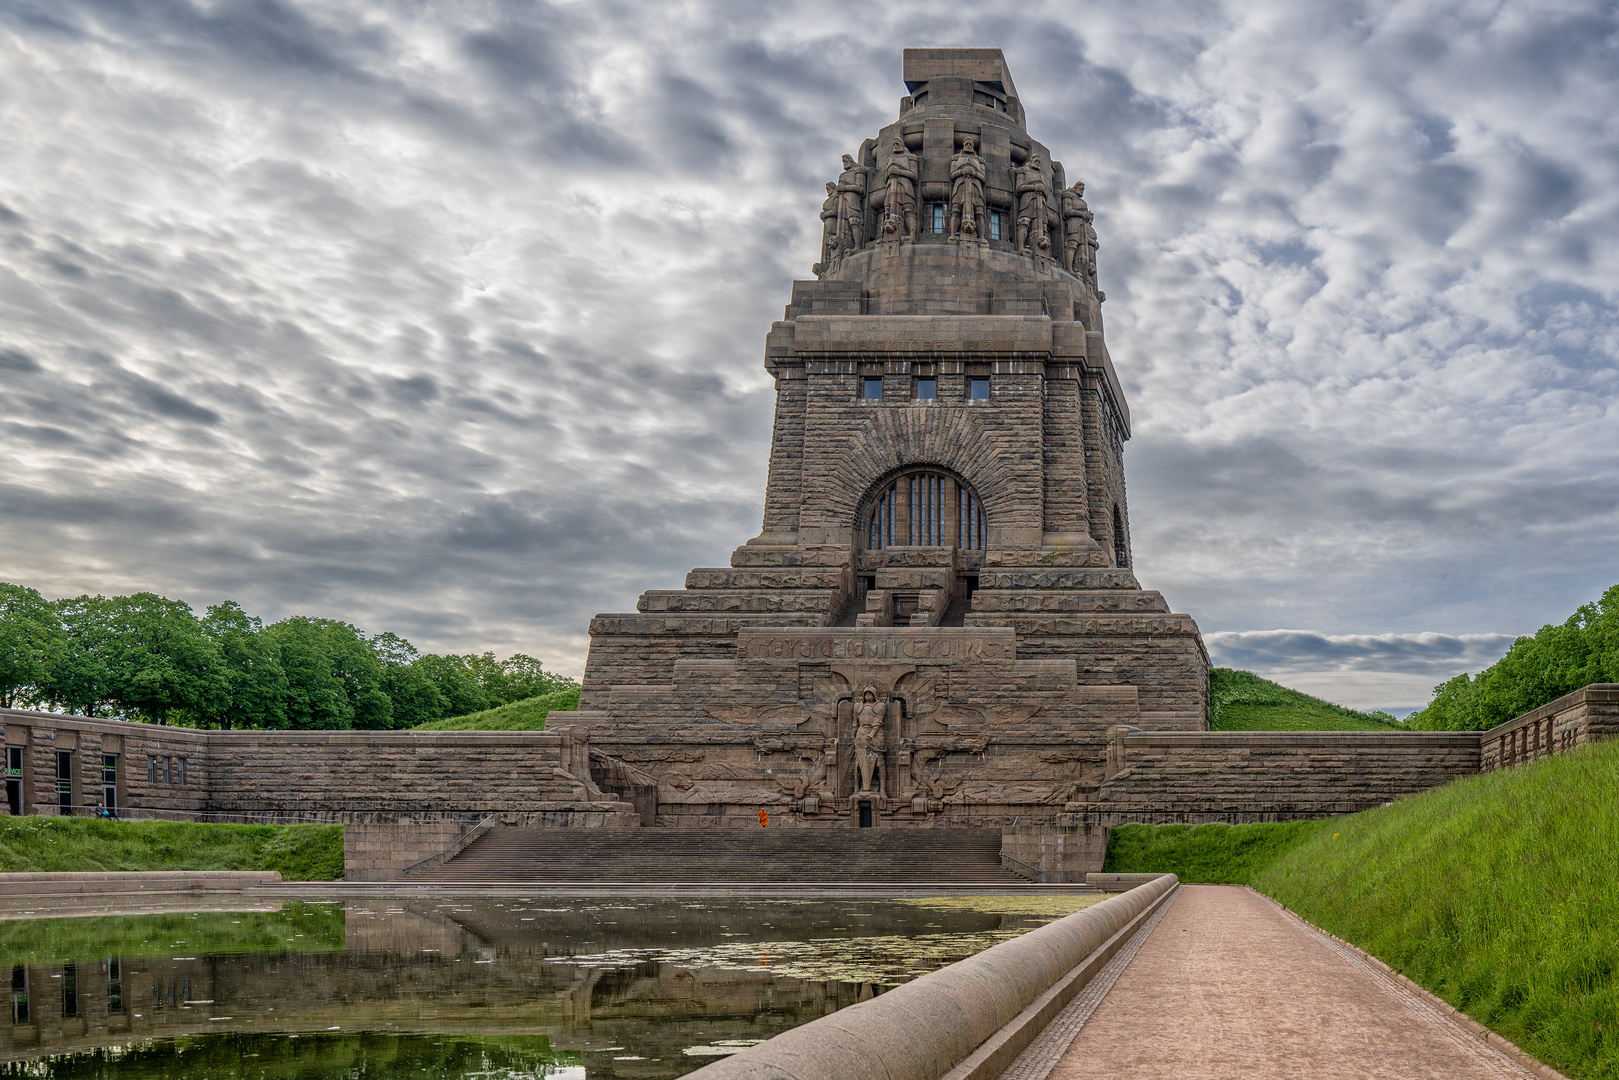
(488, 988)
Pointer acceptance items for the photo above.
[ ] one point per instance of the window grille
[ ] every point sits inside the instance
(1121, 553)
(925, 509)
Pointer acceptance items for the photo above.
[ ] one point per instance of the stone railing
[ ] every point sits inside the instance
(1589, 713)
(968, 1021)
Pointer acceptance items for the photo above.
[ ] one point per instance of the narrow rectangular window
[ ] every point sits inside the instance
(19, 994)
(64, 782)
(115, 986)
(182, 779)
(978, 388)
(168, 770)
(151, 769)
(938, 217)
(927, 389)
(994, 224)
(13, 761)
(70, 990)
(873, 390)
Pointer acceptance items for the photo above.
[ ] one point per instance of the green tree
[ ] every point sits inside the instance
(31, 643)
(410, 689)
(1557, 660)
(517, 677)
(457, 684)
(258, 685)
(334, 678)
(142, 655)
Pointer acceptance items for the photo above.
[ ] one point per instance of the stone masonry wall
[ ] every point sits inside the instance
(339, 775)
(1276, 775)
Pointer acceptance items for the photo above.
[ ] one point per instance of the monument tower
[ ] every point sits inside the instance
(938, 622)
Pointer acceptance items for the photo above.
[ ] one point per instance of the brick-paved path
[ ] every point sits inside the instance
(1229, 985)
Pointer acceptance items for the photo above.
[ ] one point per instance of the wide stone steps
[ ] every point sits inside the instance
(729, 856)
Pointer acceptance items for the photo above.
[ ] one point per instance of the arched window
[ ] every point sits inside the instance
(924, 508)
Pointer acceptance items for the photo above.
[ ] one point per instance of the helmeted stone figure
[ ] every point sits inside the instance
(938, 623)
(851, 205)
(829, 230)
(967, 191)
(1074, 221)
(869, 718)
(1031, 214)
(899, 194)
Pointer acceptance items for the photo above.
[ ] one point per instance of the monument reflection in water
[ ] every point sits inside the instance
(445, 988)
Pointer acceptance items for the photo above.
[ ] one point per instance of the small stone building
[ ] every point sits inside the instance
(939, 621)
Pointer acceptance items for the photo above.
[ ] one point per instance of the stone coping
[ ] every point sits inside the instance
(248, 736)
(968, 1020)
(94, 883)
(1591, 694)
(1469, 740)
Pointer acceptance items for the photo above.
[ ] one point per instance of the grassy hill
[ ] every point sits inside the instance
(1245, 702)
(1497, 892)
(526, 715)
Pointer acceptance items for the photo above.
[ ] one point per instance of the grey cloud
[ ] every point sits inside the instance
(1435, 654)
(449, 319)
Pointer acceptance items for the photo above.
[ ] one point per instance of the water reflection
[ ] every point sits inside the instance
(449, 988)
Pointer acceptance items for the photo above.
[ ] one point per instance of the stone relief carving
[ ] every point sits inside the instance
(966, 192)
(870, 717)
(899, 192)
(1031, 215)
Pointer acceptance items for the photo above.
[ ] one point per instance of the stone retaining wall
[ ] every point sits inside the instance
(1276, 776)
(349, 776)
(1589, 713)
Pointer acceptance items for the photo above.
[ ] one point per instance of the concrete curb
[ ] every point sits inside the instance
(120, 883)
(967, 1021)
(1473, 1027)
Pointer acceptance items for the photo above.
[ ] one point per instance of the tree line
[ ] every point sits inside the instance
(146, 657)
(1557, 660)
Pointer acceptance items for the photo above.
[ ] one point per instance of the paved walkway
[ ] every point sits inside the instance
(1230, 985)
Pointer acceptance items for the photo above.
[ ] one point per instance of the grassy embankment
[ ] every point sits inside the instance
(526, 715)
(1245, 702)
(45, 844)
(1498, 893)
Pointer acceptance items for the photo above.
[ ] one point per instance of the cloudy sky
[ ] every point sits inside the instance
(448, 318)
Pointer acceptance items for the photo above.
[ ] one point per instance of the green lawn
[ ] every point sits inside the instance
(1499, 893)
(1245, 702)
(526, 715)
(300, 852)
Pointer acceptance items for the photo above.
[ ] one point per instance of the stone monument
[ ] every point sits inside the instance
(939, 623)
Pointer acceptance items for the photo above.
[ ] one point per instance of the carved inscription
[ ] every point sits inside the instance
(875, 647)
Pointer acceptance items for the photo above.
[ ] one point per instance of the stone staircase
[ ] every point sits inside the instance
(510, 855)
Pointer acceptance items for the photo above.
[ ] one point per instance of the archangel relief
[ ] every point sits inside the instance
(899, 192)
(966, 192)
(870, 717)
(1031, 215)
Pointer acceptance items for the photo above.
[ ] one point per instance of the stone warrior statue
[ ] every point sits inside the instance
(851, 205)
(1074, 213)
(966, 191)
(829, 231)
(869, 718)
(899, 195)
(1031, 215)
